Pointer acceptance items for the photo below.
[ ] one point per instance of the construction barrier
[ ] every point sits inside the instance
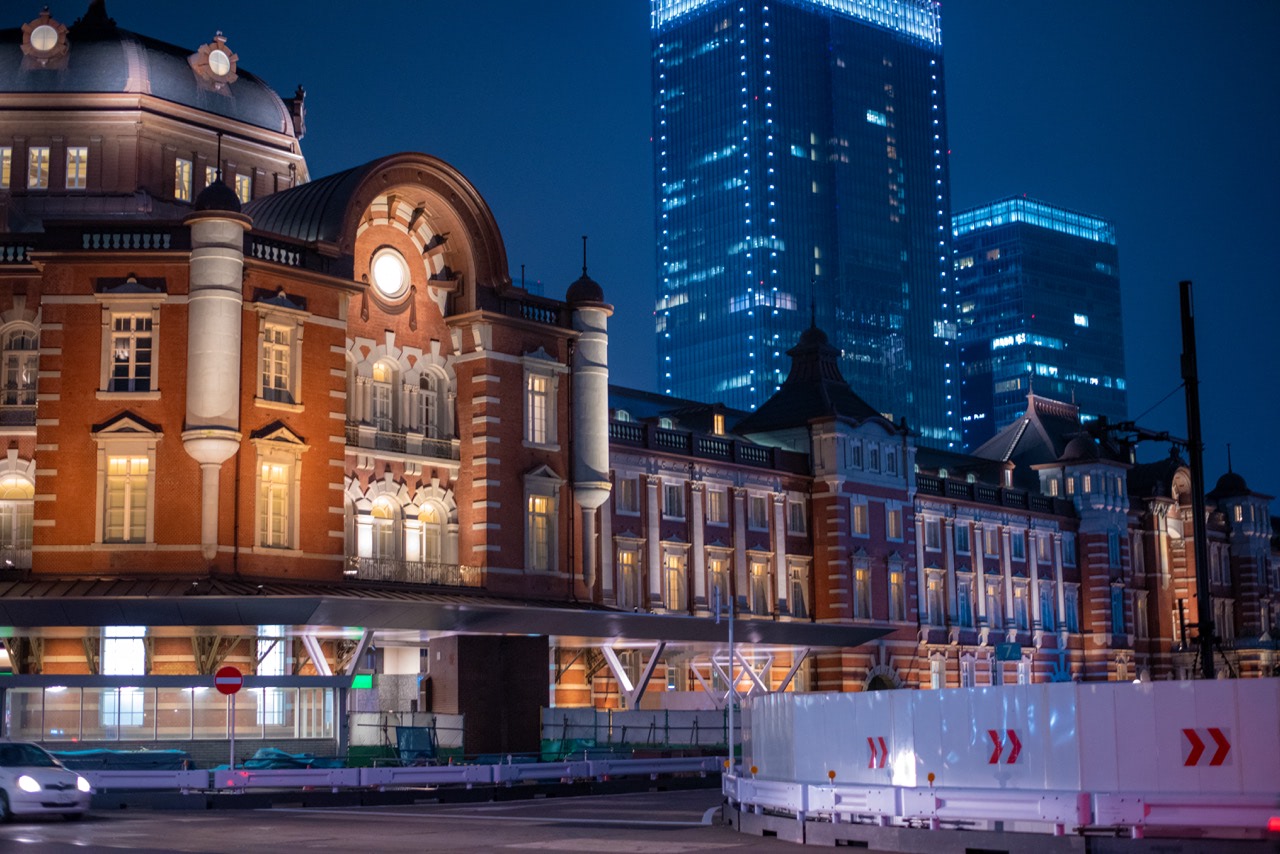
(1054, 756)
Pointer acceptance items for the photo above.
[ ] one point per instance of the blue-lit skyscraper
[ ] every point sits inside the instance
(1039, 295)
(800, 149)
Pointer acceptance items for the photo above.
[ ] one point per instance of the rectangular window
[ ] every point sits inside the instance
(628, 495)
(893, 523)
(964, 601)
(718, 581)
(1113, 549)
(628, 578)
(861, 521)
(541, 508)
(1047, 620)
(272, 653)
(990, 542)
(124, 653)
(897, 595)
(875, 458)
(1071, 598)
(277, 349)
(717, 507)
(274, 528)
(758, 517)
(933, 535)
(962, 538)
(796, 521)
(673, 569)
(855, 455)
(1053, 487)
(130, 353)
(862, 592)
(537, 409)
(244, 189)
(995, 609)
(761, 599)
(935, 599)
(1018, 545)
(1044, 550)
(77, 167)
(38, 167)
(6, 166)
(968, 672)
(798, 592)
(891, 462)
(1069, 549)
(126, 500)
(1020, 606)
(182, 180)
(1117, 611)
(673, 500)
(210, 175)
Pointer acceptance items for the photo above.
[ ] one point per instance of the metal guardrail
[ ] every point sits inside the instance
(384, 777)
(1059, 812)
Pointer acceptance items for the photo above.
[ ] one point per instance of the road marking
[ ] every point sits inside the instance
(710, 814)
(603, 822)
(622, 846)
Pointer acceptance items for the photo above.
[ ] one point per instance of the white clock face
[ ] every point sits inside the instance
(390, 273)
(219, 62)
(44, 38)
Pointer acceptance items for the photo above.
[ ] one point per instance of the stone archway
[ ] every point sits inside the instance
(882, 678)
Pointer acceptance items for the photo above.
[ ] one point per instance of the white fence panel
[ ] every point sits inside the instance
(429, 775)
(147, 779)
(249, 778)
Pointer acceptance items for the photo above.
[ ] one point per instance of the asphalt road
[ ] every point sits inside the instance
(640, 823)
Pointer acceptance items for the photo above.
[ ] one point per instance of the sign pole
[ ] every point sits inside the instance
(233, 732)
(733, 688)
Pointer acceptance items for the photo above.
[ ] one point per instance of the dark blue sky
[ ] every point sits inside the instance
(1163, 116)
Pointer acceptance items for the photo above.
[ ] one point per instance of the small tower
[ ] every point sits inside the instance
(215, 306)
(591, 484)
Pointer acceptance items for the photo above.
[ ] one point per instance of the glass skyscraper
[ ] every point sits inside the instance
(1039, 295)
(800, 149)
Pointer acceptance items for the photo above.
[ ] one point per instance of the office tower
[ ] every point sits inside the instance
(1039, 296)
(801, 175)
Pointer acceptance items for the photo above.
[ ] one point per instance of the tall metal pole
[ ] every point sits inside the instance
(1195, 450)
(733, 686)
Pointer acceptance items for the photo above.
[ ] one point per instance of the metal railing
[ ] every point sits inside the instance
(414, 572)
(706, 446)
(417, 444)
(985, 493)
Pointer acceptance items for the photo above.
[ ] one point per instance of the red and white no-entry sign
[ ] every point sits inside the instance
(228, 680)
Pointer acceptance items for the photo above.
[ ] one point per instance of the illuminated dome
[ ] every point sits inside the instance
(94, 55)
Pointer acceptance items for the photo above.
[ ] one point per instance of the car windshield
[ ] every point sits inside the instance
(26, 755)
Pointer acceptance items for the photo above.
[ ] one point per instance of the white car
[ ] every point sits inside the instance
(32, 782)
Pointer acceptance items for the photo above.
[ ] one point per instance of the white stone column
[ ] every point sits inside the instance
(949, 551)
(697, 544)
(922, 577)
(779, 551)
(1006, 569)
(590, 368)
(653, 543)
(1033, 558)
(740, 568)
(977, 548)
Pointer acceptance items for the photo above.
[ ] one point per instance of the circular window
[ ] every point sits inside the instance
(390, 273)
(44, 38)
(219, 62)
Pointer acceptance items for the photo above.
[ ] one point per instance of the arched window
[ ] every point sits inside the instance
(17, 503)
(385, 515)
(18, 365)
(622, 415)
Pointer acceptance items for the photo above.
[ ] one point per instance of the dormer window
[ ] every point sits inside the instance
(44, 41)
(214, 63)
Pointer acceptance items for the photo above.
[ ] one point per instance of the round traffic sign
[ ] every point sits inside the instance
(228, 680)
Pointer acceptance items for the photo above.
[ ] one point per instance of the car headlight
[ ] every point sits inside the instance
(83, 785)
(28, 783)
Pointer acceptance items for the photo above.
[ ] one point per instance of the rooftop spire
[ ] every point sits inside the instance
(584, 255)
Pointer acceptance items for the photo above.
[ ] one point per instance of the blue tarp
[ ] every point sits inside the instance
(274, 758)
(124, 760)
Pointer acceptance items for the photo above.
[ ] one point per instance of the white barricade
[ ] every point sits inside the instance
(850, 802)
(1164, 810)
(427, 775)
(256, 778)
(599, 768)
(518, 772)
(775, 794)
(1070, 809)
(183, 781)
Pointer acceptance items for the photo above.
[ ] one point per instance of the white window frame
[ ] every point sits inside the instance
(861, 589)
(962, 528)
(798, 588)
(130, 305)
(797, 517)
(273, 498)
(292, 323)
(757, 521)
(675, 576)
(673, 500)
(77, 176)
(183, 180)
(244, 188)
(894, 528)
(628, 495)
(17, 516)
(932, 534)
(719, 574)
(21, 364)
(630, 577)
(717, 505)
(39, 159)
(123, 652)
(126, 438)
(935, 598)
(859, 518)
(540, 486)
(760, 577)
(540, 393)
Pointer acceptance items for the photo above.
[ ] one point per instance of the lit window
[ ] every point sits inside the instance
(274, 523)
(6, 166)
(758, 516)
(540, 525)
(244, 188)
(717, 424)
(280, 331)
(273, 660)
(628, 495)
(390, 273)
(674, 579)
(798, 574)
(433, 405)
(862, 592)
(897, 595)
(128, 483)
(937, 672)
(968, 672)
(995, 605)
(935, 610)
(629, 578)
(1020, 605)
(131, 351)
(893, 523)
(210, 175)
(1081, 319)
(386, 534)
(124, 653)
(431, 534)
(77, 167)
(38, 167)
(860, 523)
(17, 506)
(182, 180)
(761, 598)
(718, 580)
(991, 542)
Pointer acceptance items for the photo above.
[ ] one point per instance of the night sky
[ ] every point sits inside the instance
(1162, 116)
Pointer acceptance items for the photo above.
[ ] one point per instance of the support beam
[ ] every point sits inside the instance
(631, 694)
(366, 640)
(800, 655)
(312, 645)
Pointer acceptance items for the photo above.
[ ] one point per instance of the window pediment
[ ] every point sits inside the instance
(126, 425)
(277, 434)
